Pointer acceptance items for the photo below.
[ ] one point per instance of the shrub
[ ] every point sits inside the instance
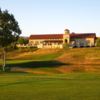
(66, 46)
(98, 42)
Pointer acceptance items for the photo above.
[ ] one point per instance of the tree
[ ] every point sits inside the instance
(98, 42)
(22, 40)
(9, 32)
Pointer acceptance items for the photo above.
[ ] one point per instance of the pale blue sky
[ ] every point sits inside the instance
(53, 16)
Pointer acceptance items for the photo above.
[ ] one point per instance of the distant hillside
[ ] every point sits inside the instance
(53, 61)
(81, 56)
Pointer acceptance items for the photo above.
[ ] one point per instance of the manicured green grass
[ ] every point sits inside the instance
(71, 86)
(52, 85)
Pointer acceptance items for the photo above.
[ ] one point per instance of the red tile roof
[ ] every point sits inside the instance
(83, 35)
(60, 36)
(47, 36)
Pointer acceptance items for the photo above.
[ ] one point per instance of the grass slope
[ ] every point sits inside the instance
(45, 81)
(51, 61)
(72, 86)
(81, 56)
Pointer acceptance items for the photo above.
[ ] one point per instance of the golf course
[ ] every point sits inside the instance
(51, 74)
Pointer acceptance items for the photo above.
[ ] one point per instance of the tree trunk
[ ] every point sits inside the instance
(4, 59)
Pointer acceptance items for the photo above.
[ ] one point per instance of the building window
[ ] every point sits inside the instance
(66, 41)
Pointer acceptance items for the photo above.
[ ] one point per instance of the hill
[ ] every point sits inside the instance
(81, 56)
(50, 61)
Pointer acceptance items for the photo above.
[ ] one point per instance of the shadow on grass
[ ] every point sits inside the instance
(37, 64)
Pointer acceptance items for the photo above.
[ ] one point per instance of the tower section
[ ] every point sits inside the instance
(66, 36)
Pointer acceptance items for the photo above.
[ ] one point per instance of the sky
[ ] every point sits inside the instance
(53, 16)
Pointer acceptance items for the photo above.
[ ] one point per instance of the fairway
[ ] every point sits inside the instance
(68, 74)
(70, 86)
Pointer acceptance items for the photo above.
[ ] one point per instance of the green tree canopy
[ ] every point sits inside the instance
(98, 42)
(9, 31)
(22, 40)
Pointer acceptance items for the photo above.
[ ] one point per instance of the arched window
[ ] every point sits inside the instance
(66, 41)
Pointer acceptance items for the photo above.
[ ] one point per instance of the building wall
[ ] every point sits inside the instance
(82, 42)
(78, 42)
(34, 42)
(91, 41)
(40, 43)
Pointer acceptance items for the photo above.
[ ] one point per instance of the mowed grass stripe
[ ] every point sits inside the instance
(57, 87)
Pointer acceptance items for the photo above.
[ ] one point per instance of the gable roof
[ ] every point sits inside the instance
(47, 36)
(83, 35)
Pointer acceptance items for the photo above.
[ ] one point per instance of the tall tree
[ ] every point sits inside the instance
(9, 32)
(23, 40)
